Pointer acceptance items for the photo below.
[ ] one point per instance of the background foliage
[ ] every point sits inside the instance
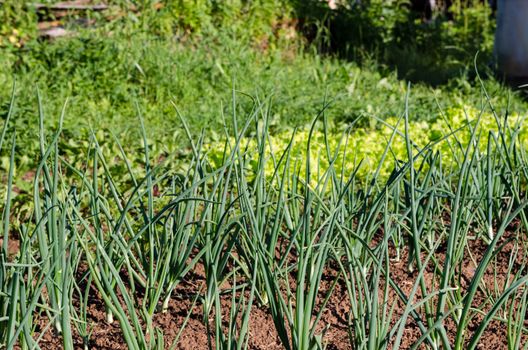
(195, 53)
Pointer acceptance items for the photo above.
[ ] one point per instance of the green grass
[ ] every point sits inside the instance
(104, 77)
(194, 56)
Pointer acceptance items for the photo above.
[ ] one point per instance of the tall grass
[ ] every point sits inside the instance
(280, 241)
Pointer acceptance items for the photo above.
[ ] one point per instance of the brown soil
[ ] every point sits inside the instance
(13, 246)
(262, 333)
(494, 279)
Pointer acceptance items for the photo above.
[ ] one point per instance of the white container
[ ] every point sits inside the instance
(511, 38)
